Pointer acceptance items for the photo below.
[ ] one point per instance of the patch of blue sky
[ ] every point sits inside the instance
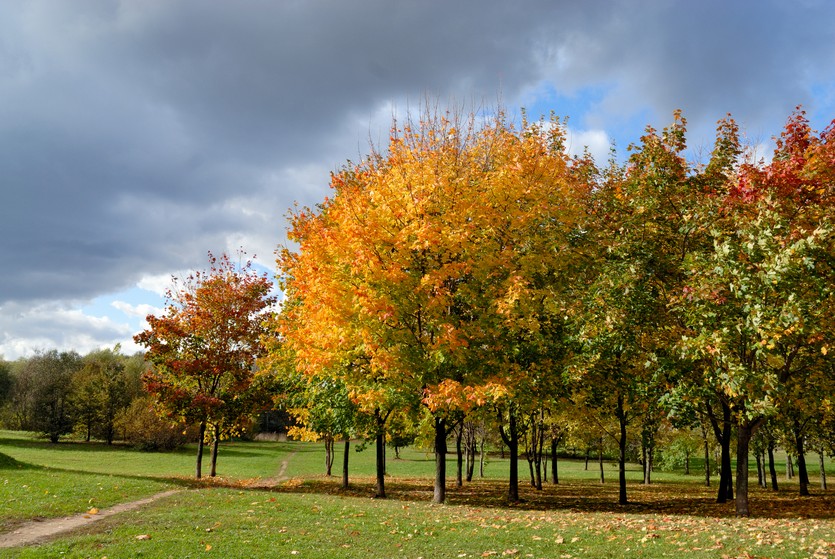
(821, 112)
(128, 307)
(583, 111)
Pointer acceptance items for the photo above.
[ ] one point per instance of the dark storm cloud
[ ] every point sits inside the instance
(756, 60)
(134, 136)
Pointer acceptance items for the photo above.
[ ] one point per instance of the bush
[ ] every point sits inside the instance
(145, 429)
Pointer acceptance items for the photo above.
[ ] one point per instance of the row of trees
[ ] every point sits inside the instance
(479, 269)
(96, 396)
(474, 278)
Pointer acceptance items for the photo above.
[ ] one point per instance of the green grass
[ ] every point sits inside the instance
(310, 516)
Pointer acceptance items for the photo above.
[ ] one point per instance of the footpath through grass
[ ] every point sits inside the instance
(309, 516)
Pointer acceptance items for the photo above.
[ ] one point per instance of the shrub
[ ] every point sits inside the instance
(143, 427)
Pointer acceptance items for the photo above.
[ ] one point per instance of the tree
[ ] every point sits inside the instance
(639, 233)
(205, 347)
(52, 407)
(100, 392)
(757, 301)
(403, 277)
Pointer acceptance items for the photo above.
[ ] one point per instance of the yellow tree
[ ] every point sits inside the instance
(402, 281)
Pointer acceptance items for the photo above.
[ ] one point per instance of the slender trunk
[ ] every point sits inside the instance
(202, 433)
(726, 489)
(802, 473)
(621, 414)
(481, 456)
(530, 469)
(771, 469)
(215, 444)
(687, 462)
(471, 451)
(381, 463)
(789, 466)
(345, 463)
(745, 430)
(439, 495)
(459, 474)
(600, 461)
(822, 465)
(513, 446)
(511, 439)
(760, 477)
(644, 459)
(586, 467)
(329, 455)
(707, 464)
(555, 479)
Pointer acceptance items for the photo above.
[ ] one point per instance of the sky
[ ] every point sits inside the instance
(137, 136)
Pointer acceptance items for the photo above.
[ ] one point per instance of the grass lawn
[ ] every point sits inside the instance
(309, 516)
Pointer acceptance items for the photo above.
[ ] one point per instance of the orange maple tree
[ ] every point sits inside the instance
(204, 348)
(406, 281)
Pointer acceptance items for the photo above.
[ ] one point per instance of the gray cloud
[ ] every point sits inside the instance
(135, 136)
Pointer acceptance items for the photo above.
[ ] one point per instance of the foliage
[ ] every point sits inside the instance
(142, 426)
(205, 346)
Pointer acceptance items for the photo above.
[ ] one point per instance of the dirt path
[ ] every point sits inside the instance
(279, 477)
(38, 531)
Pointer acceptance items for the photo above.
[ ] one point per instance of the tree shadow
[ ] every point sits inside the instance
(663, 498)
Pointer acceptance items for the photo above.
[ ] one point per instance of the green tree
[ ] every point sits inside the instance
(756, 301)
(100, 393)
(52, 408)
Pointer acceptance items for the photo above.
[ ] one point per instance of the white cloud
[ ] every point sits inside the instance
(139, 311)
(26, 328)
(597, 142)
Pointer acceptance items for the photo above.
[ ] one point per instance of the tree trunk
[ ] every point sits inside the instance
(481, 456)
(771, 469)
(687, 462)
(760, 476)
(381, 463)
(555, 478)
(329, 455)
(459, 474)
(723, 436)
(345, 463)
(471, 441)
(745, 430)
(802, 473)
(530, 468)
(215, 444)
(511, 439)
(822, 464)
(789, 466)
(586, 467)
(707, 456)
(202, 433)
(600, 461)
(621, 414)
(439, 495)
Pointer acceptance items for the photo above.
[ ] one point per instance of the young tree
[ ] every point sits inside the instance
(204, 348)
(100, 392)
(757, 301)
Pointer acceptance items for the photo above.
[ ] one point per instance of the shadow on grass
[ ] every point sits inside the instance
(666, 498)
(9, 463)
